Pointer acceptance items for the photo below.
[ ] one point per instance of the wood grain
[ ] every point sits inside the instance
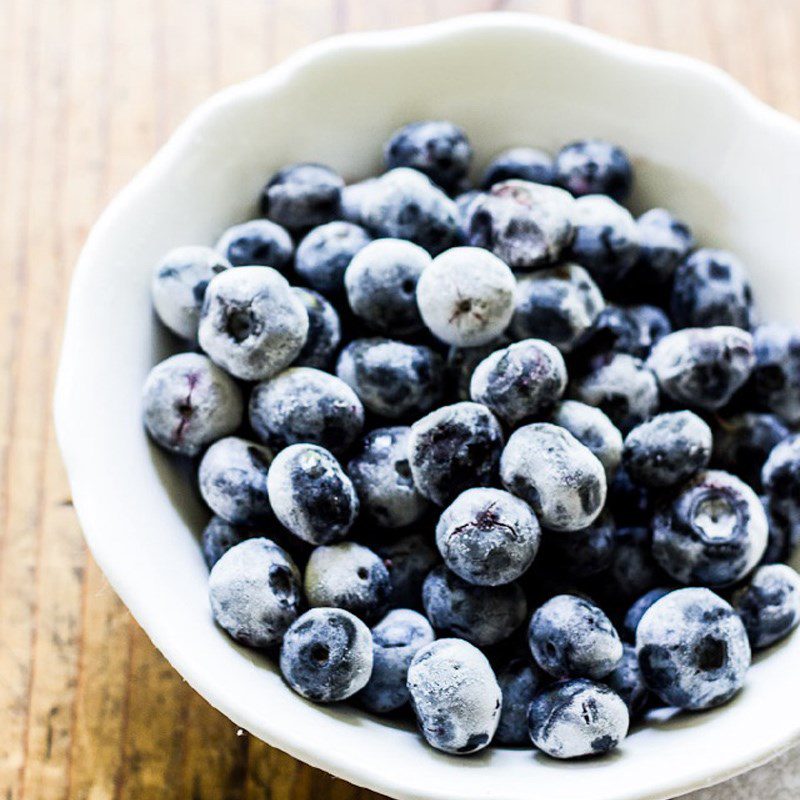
(88, 90)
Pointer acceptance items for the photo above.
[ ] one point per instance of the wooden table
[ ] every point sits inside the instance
(88, 708)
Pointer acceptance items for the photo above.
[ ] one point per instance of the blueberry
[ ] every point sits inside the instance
(593, 429)
(784, 533)
(571, 637)
(549, 468)
(587, 551)
(327, 655)
(629, 502)
(324, 330)
(626, 329)
(466, 296)
(395, 641)
(703, 367)
(302, 404)
(393, 379)
(633, 569)
(454, 448)
(219, 536)
(382, 477)
(520, 381)
(325, 252)
(636, 611)
(519, 163)
(627, 681)
(188, 403)
(664, 242)
(179, 285)
(440, 150)
(712, 532)
(519, 681)
(381, 284)
(461, 363)
(577, 718)
(233, 480)
(482, 615)
(348, 576)
(692, 649)
(258, 242)
(463, 203)
(769, 604)
(781, 478)
(593, 166)
(488, 537)
(311, 495)
(775, 382)
(559, 305)
(409, 559)
(302, 195)
(255, 592)
(252, 324)
(667, 449)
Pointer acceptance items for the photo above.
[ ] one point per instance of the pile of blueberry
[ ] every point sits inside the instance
(510, 457)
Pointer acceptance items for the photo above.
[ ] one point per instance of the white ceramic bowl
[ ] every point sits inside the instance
(702, 146)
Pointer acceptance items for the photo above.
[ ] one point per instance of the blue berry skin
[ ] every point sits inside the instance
(463, 203)
(302, 404)
(409, 559)
(302, 195)
(593, 166)
(781, 478)
(769, 604)
(627, 681)
(712, 532)
(667, 449)
(693, 649)
(585, 552)
(519, 163)
(219, 536)
(258, 242)
(577, 718)
(775, 382)
(520, 681)
(664, 242)
(629, 502)
(325, 252)
(438, 149)
(633, 569)
(392, 379)
(482, 615)
(711, 288)
(326, 655)
(454, 448)
(233, 480)
(255, 592)
(571, 637)
(395, 641)
(593, 429)
(784, 534)
(635, 613)
(324, 330)
(626, 329)
(703, 367)
(461, 363)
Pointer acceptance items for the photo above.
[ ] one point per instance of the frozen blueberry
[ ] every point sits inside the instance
(571, 637)
(627, 681)
(302, 404)
(327, 655)
(219, 536)
(549, 468)
(769, 604)
(179, 285)
(664, 242)
(593, 166)
(525, 224)
(633, 569)
(588, 551)
(438, 149)
(621, 386)
(393, 379)
(381, 285)
(519, 681)
(455, 696)
(784, 533)
(188, 403)
(636, 611)
(325, 252)
(324, 330)
(311, 495)
(629, 502)
(348, 576)
(775, 381)
(781, 478)
(258, 242)
(577, 718)
(461, 363)
(466, 296)
(252, 324)
(520, 381)
(454, 448)
(409, 559)
(703, 367)
(255, 592)
(302, 195)
(519, 163)
(626, 329)
(487, 536)
(395, 641)
(233, 480)
(692, 649)
(382, 477)
(667, 449)
(712, 532)
(593, 429)
(559, 305)
(483, 615)
(463, 203)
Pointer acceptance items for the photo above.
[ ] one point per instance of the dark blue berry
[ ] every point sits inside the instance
(258, 242)
(409, 559)
(775, 382)
(325, 252)
(627, 681)
(520, 163)
(635, 613)
(324, 330)
(592, 166)
(302, 195)
(520, 681)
